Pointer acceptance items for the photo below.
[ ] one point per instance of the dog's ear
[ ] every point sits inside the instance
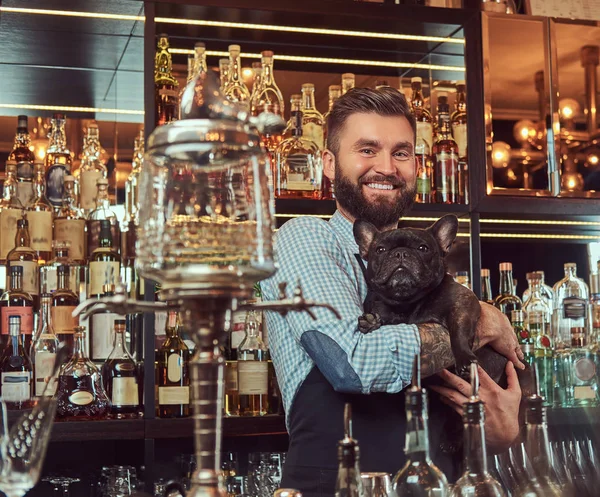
(444, 231)
(364, 232)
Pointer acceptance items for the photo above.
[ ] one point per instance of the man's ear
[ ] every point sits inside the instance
(444, 231)
(329, 165)
(364, 233)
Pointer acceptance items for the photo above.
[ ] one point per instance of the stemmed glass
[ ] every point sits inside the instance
(61, 485)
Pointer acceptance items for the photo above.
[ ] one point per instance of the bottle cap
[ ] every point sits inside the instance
(267, 53)
(234, 48)
(58, 115)
(516, 316)
(348, 75)
(416, 79)
(533, 276)
(22, 121)
(308, 86)
(63, 269)
(120, 324)
(460, 83)
(199, 44)
(506, 266)
(485, 273)
(47, 297)
(333, 88)
(69, 178)
(462, 273)
(102, 181)
(14, 325)
(570, 265)
(79, 331)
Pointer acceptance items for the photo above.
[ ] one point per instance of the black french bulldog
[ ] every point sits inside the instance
(408, 283)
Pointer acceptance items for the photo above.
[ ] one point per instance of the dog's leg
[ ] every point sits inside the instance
(462, 326)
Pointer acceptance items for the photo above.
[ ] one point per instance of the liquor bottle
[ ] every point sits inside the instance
(476, 480)
(15, 368)
(298, 165)
(43, 351)
(506, 301)
(335, 92)
(102, 324)
(102, 212)
(165, 84)
(595, 316)
(24, 256)
(584, 381)
(49, 271)
(423, 143)
(132, 187)
(232, 394)
(236, 90)
(537, 311)
(275, 402)
(105, 263)
(199, 59)
(190, 77)
(80, 395)
(462, 277)
(173, 379)
(58, 161)
(23, 157)
(571, 305)
(69, 223)
(11, 210)
(92, 169)
(64, 301)
(348, 482)
(525, 338)
(295, 107)
(545, 290)
(486, 287)
(459, 133)
(419, 476)
(224, 74)
(312, 119)
(119, 374)
(256, 83)
(348, 82)
(17, 302)
(446, 157)
(253, 370)
(40, 214)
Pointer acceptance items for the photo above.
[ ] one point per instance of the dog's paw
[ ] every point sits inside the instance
(368, 323)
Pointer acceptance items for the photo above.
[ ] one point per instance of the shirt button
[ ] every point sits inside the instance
(393, 347)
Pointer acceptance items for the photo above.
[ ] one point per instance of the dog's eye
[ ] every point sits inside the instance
(380, 250)
(423, 248)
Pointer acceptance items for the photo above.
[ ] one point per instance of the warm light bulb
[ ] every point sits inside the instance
(500, 154)
(568, 108)
(593, 159)
(247, 73)
(524, 130)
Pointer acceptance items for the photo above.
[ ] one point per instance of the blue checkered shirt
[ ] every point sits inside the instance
(321, 256)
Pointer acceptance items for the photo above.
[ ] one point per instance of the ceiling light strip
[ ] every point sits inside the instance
(66, 108)
(537, 236)
(73, 13)
(327, 216)
(324, 60)
(307, 30)
(540, 222)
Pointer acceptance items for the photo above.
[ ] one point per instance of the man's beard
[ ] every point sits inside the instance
(381, 214)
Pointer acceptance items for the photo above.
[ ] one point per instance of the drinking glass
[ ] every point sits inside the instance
(376, 484)
(61, 485)
(118, 481)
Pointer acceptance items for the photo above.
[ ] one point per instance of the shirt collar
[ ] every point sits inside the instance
(343, 227)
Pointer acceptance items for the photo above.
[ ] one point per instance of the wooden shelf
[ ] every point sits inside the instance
(574, 416)
(114, 429)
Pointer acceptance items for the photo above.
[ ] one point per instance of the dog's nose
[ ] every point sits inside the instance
(401, 254)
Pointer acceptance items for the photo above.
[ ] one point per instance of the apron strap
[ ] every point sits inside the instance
(361, 263)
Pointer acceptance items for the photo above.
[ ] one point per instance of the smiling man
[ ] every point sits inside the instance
(322, 364)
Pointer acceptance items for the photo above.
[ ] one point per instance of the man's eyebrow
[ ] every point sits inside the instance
(406, 145)
(367, 142)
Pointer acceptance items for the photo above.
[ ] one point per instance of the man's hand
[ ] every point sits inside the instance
(501, 406)
(494, 329)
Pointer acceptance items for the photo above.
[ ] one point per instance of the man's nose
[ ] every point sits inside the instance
(386, 166)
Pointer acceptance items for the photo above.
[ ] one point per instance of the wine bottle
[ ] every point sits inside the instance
(43, 351)
(15, 369)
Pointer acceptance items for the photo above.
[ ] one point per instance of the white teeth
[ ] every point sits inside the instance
(379, 186)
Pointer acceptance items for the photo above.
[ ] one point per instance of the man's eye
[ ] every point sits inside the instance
(402, 155)
(380, 250)
(423, 248)
(367, 151)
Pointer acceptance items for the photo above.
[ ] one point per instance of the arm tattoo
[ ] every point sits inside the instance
(436, 353)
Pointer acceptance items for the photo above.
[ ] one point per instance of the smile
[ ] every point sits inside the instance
(380, 186)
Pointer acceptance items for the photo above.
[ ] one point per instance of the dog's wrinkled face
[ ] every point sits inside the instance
(407, 263)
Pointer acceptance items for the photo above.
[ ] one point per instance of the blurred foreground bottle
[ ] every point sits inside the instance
(349, 482)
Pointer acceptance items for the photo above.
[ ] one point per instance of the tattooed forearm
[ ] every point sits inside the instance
(436, 353)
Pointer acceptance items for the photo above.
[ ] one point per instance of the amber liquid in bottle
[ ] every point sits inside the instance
(165, 84)
(69, 224)
(58, 160)
(446, 159)
(64, 301)
(105, 263)
(24, 256)
(40, 214)
(22, 155)
(424, 144)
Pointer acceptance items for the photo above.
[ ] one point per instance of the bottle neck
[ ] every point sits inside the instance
(535, 290)
(571, 272)
(297, 123)
(461, 102)
(22, 239)
(39, 187)
(417, 435)
(417, 97)
(102, 200)
(486, 289)
(444, 125)
(506, 283)
(68, 199)
(62, 280)
(537, 446)
(119, 346)
(22, 138)
(267, 72)
(10, 188)
(45, 326)
(475, 449)
(163, 63)
(172, 328)
(105, 240)
(58, 137)
(78, 348)
(333, 96)
(348, 483)
(308, 100)
(92, 147)
(200, 63)
(347, 85)
(235, 69)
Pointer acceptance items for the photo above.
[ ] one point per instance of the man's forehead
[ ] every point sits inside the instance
(373, 126)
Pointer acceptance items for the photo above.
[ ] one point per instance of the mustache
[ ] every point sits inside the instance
(395, 181)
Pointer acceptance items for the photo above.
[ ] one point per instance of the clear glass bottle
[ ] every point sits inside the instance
(102, 212)
(105, 262)
(43, 351)
(545, 290)
(24, 256)
(132, 201)
(253, 370)
(299, 168)
(224, 74)
(584, 381)
(348, 482)
(173, 377)
(80, 395)
(419, 477)
(486, 287)
(335, 92)
(199, 59)
(537, 311)
(92, 169)
(17, 302)
(49, 271)
(312, 120)
(506, 301)
(295, 107)
(64, 301)
(23, 157)
(476, 480)
(423, 143)
(102, 324)
(570, 305)
(11, 210)
(69, 224)
(166, 95)
(236, 90)
(58, 160)
(256, 84)
(121, 381)
(15, 369)
(348, 82)
(459, 133)
(445, 150)
(40, 214)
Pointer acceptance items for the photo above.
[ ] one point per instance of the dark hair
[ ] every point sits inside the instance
(385, 101)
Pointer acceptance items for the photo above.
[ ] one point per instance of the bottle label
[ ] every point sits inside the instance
(125, 392)
(25, 192)
(424, 139)
(447, 168)
(253, 377)
(168, 93)
(423, 186)
(8, 230)
(231, 377)
(574, 308)
(72, 231)
(25, 171)
(174, 368)
(583, 392)
(16, 386)
(26, 314)
(81, 398)
(102, 335)
(160, 323)
(416, 441)
(31, 276)
(170, 396)
(459, 132)
(296, 181)
(101, 273)
(55, 183)
(40, 230)
(88, 188)
(44, 364)
(62, 319)
(314, 133)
